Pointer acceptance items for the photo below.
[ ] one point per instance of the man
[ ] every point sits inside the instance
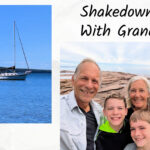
(80, 115)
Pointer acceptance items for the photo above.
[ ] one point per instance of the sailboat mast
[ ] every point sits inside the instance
(22, 47)
(14, 46)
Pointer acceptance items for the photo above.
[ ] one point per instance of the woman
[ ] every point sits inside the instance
(138, 94)
(140, 130)
(115, 131)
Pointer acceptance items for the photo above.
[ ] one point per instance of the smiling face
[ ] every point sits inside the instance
(139, 94)
(140, 133)
(86, 83)
(115, 111)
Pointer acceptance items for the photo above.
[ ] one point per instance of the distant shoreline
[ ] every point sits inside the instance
(33, 70)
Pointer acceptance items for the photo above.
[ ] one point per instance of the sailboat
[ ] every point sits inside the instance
(10, 73)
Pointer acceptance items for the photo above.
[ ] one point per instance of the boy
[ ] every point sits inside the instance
(140, 130)
(114, 133)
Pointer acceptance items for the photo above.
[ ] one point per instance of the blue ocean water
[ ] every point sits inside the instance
(26, 101)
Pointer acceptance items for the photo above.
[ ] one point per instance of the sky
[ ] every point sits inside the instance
(129, 57)
(34, 25)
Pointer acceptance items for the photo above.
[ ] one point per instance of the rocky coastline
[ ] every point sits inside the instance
(112, 82)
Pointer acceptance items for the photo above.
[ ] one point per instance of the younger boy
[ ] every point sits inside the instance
(140, 130)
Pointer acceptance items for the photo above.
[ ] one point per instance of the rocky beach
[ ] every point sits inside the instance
(112, 82)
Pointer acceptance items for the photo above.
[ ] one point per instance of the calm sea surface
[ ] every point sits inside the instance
(27, 101)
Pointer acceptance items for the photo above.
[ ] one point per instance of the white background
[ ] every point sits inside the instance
(66, 27)
(32, 136)
(67, 24)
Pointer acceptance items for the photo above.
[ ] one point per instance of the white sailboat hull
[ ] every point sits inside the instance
(13, 76)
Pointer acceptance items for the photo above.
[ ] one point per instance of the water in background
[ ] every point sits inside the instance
(26, 101)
